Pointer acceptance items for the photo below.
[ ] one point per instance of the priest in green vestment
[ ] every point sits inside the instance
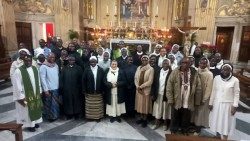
(27, 95)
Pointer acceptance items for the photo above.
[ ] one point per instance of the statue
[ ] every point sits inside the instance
(187, 42)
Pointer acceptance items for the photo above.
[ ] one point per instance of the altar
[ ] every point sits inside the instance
(132, 44)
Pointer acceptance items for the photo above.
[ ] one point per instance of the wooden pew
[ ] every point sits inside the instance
(173, 137)
(244, 83)
(5, 68)
(14, 128)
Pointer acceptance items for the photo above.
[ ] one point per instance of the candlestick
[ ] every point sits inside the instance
(115, 10)
(157, 10)
(123, 10)
(147, 10)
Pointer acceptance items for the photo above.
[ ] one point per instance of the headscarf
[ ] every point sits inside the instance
(93, 58)
(145, 56)
(231, 74)
(174, 64)
(175, 45)
(207, 68)
(167, 60)
(124, 48)
(39, 54)
(25, 50)
(112, 70)
(106, 52)
(157, 46)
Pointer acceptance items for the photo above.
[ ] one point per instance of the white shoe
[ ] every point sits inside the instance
(155, 127)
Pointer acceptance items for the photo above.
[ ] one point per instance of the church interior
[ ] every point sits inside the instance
(215, 25)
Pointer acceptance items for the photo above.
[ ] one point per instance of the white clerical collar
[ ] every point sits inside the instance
(139, 53)
(124, 57)
(211, 68)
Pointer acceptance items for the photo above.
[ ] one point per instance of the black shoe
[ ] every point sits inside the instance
(76, 117)
(69, 117)
(32, 129)
(51, 120)
(144, 124)
(118, 120)
(140, 121)
(37, 126)
(112, 119)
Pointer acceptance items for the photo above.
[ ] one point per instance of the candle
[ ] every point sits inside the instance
(126, 24)
(141, 23)
(139, 9)
(111, 23)
(107, 9)
(123, 10)
(119, 24)
(135, 24)
(147, 10)
(115, 10)
(157, 10)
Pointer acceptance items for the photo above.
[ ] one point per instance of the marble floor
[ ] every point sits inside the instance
(74, 130)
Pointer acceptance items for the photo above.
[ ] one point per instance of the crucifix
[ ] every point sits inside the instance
(185, 30)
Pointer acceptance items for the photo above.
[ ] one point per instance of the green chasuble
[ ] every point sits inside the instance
(116, 54)
(33, 98)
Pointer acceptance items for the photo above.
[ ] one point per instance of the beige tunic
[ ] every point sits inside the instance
(143, 102)
(201, 114)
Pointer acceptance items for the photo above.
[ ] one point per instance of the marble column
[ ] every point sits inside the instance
(7, 20)
(81, 18)
(75, 15)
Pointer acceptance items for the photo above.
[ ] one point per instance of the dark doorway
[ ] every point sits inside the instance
(2, 49)
(24, 34)
(244, 54)
(224, 38)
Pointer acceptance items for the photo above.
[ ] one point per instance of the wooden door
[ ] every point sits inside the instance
(24, 34)
(2, 49)
(244, 53)
(224, 38)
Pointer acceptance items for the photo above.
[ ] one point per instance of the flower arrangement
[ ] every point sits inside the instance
(73, 34)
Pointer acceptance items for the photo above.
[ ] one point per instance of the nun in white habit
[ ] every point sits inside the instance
(161, 110)
(223, 102)
(115, 96)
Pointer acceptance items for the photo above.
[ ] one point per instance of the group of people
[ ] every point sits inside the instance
(79, 81)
